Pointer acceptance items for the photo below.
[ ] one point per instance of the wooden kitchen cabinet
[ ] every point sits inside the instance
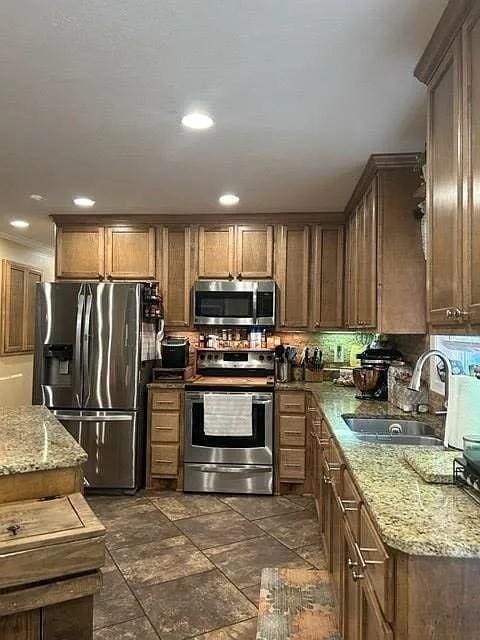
(235, 251)
(290, 435)
(372, 624)
(292, 275)
(385, 264)
(80, 253)
(18, 307)
(350, 599)
(130, 253)
(174, 272)
(216, 251)
(450, 67)
(327, 277)
(254, 251)
(471, 159)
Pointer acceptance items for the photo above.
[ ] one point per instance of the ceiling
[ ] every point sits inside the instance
(301, 91)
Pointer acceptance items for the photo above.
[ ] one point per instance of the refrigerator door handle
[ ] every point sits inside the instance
(77, 369)
(104, 418)
(86, 345)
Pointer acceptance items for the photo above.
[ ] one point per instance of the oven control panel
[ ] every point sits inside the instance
(242, 359)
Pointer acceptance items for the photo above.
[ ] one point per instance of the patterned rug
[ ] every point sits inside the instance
(296, 604)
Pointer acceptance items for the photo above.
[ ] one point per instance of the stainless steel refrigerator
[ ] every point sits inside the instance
(93, 357)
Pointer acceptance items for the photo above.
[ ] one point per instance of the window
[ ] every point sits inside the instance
(462, 351)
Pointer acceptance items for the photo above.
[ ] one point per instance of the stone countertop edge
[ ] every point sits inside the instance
(412, 516)
(32, 439)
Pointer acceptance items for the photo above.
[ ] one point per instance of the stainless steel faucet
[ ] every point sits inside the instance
(417, 374)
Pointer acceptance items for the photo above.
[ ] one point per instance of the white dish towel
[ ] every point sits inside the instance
(227, 414)
(463, 412)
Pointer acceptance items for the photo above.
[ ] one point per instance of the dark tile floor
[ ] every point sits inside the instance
(188, 566)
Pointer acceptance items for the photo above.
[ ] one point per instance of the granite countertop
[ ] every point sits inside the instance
(433, 466)
(412, 515)
(32, 439)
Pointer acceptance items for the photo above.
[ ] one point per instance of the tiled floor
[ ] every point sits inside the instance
(188, 566)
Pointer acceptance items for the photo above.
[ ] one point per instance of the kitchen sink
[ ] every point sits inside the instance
(391, 430)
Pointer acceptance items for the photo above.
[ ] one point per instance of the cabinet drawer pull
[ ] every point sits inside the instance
(294, 466)
(327, 480)
(317, 423)
(312, 410)
(293, 433)
(164, 428)
(343, 508)
(370, 550)
(164, 401)
(291, 404)
(165, 461)
(334, 466)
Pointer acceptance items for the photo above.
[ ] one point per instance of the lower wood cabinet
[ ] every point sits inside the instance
(290, 434)
(165, 436)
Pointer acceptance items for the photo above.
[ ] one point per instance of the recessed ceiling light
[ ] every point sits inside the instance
(20, 224)
(82, 201)
(197, 120)
(229, 199)
(36, 196)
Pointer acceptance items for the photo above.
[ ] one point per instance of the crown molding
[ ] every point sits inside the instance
(39, 247)
(442, 38)
(381, 162)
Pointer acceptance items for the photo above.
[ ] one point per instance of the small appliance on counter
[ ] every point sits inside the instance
(175, 352)
(371, 378)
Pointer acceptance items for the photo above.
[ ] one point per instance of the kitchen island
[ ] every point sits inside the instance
(51, 543)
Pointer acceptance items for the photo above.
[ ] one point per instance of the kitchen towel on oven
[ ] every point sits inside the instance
(228, 414)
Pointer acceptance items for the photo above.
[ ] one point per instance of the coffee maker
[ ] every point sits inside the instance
(371, 378)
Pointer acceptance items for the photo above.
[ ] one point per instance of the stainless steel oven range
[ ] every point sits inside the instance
(230, 462)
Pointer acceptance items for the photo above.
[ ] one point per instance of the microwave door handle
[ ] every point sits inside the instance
(254, 302)
(77, 367)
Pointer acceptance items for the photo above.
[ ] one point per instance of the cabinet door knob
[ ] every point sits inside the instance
(239, 276)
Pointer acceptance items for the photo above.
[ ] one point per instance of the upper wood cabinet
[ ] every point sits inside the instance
(244, 251)
(216, 251)
(450, 67)
(118, 253)
(18, 307)
(327, 277)
(292, 274)
(80, 252)
(254, 251)
(471, 156)
(130, 253)
(174, 246)
(444, 191)
(385, 262)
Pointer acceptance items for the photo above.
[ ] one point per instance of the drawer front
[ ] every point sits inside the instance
(164, 460)
(292, 431)
(165, 400)
(292, 464)
(378, 565)
(164, 426)
(351, 504)
(291, 402)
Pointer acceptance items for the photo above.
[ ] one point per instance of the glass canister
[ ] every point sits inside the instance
(471, 450)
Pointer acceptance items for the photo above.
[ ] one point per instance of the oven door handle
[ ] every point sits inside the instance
(223, 469)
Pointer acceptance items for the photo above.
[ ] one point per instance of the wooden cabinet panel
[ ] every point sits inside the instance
(18, 307)
(254, 251)
(352, 269)
(292, 464)
(168, 400)
(80, 252)
(130, 253)
(21, 626)
(372, 624)
(292, 431)
(367, 267)
(378, 564)
(350, 601)
(327, 277)
(165, 427)
(471, 170)
(293, 260)
(174, 273)
(216, 252)
(291, 401)
(164, 460)
(444, 192)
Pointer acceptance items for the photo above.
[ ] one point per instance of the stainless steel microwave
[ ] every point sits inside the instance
(235, 302)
